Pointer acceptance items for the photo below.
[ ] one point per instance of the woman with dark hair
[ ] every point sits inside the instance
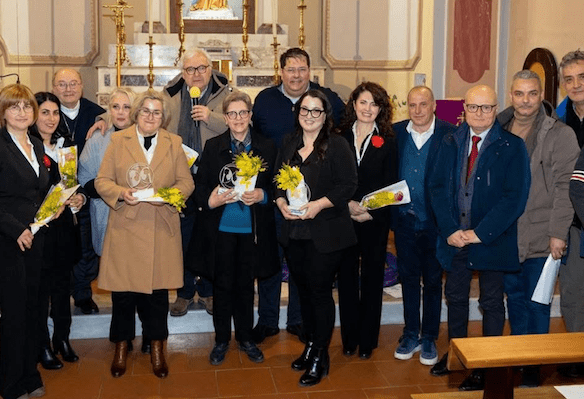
(367, 128)
(314, 241)
(24, 182)
(62, 248)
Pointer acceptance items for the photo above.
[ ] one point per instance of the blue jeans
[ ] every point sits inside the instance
(526, 316)
(416, 260)
(270, 290)
(203, 286)
(87, 269)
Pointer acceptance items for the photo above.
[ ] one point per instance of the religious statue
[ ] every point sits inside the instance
(209, 5)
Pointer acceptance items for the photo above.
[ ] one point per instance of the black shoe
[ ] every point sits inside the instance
(217, 355)
(530, 377)
(318, 367)
(87, 306)
(302, 362)
(261, 332)
(252, 351)
(146, 345)
(474, 382)
(48, 360)
(574, 370)
(65, 350)
(365, 354)
(349, 351)
(130, 345)
(440, 368)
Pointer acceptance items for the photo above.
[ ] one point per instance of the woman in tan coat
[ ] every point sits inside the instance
(142, 253)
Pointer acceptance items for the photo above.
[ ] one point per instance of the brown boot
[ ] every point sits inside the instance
(159, 366)
(121, 355)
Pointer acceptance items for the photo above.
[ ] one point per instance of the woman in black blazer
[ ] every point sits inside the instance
(314, 242)
(367, 128)
(24, 182)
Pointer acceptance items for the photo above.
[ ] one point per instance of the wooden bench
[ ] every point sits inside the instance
(498, 356)
(520, 393)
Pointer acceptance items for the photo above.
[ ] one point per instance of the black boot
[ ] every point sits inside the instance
(302, 362)
(48, 360)
(64, 348)
(317, 367)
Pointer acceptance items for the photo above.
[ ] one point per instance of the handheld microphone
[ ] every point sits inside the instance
(195, 93)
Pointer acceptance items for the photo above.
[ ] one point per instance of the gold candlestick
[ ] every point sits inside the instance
(301, 37)
(181, 31)
(150, 76)
(118, 18)
(276, 64)
(244, 60)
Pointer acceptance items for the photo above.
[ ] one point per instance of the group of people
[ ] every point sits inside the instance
(495, 195)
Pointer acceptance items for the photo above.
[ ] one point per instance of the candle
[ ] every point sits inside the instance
(274, 17)
(150, 18)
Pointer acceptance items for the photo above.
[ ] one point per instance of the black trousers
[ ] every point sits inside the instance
(19, 335)
(54, 292)
(457, 291)
(233, 286)
(360, 298)
(314, 273)
(152, 310)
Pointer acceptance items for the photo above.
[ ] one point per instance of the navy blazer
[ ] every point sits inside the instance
(441, 129)
(501, 187)
(334, 178)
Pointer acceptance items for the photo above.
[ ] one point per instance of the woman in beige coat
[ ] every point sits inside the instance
(142, 254)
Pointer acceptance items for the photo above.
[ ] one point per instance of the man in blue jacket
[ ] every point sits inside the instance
(478, 190)
(273, 117)
(415, 229)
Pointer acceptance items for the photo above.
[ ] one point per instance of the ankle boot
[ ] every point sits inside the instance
(317, 367)
(159, 367)
(120, 357)
(48, 360)
(302, 362)
(64, 348)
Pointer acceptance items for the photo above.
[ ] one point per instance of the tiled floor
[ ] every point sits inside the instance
(191, 375)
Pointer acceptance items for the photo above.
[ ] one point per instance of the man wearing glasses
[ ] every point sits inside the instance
(77, 116)
(478, 190)
(195, 124)
(273, 117)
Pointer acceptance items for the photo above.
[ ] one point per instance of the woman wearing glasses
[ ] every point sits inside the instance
(314, 241)
(24, 182)
(237, 238)
(142, 252)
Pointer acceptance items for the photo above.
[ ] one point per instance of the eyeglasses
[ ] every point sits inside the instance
(72, 85)
(16, 108)
(485, 108)
(232, 115)
(201, 69)
(145, 112)
(301, 70)
(315, 113)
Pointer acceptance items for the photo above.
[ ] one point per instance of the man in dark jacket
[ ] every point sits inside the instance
(415, 229)
(543, 228)
(273, 117)
(77, 116)
(478, 190)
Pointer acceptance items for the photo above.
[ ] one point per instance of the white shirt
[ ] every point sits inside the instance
(480, 143)
(420, 138)
(71, 112)
(366, 142)
(54, 151)
(293, 99)
(33, 161)
(150, 153)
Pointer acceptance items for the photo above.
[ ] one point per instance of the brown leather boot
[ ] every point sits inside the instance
(159, 366)
(120, 357)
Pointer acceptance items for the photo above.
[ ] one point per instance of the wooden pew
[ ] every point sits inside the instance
(520, 393)
(498, 356)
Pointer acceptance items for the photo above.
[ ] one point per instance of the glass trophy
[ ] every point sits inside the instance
(140, 177)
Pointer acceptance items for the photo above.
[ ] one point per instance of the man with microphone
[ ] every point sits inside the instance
(195, 99)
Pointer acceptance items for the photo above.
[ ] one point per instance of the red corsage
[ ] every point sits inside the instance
(47, 162)
(377, 141)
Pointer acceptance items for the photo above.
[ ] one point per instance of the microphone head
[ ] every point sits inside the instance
(195, 92)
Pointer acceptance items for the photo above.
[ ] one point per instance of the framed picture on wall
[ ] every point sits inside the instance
(212, 16)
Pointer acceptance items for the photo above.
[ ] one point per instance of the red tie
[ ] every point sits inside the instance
(473, 155)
